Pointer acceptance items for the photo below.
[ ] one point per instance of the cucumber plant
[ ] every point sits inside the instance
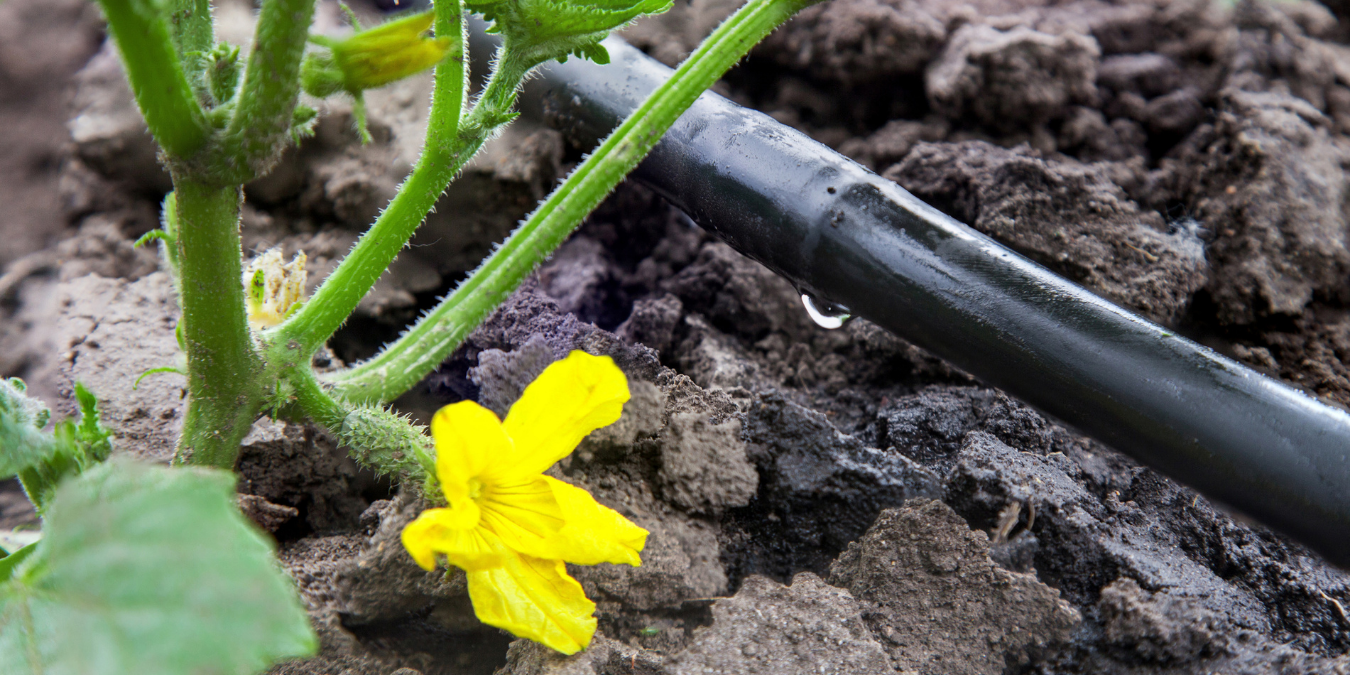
(180, 581)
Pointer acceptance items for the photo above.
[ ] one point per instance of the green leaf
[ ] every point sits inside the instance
(11, 561)
(223, 73)
(553, 29)
(93, 438)
(595, 52)
(149, 570)
(22, 441)
(41, 459)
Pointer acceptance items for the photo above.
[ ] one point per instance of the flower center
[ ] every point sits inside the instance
(475, 489)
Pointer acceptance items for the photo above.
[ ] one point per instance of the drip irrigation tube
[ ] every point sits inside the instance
(845, 235)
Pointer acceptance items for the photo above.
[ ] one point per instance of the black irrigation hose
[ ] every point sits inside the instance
(842, 233)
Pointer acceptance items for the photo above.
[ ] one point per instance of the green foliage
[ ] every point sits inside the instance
(222, 73)
(191, 27)
(42, 459)
(11, 561)
(153, 570)
(553, 29)
(22, 442)
(148, 570)
(421, 348)
(302, 123)
(94, 439)
(77, 447)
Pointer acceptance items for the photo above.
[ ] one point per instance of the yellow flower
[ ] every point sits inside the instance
(374, 57)
(512, 528)
(389, 52)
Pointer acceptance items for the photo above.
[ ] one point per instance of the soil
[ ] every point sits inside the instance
(823, 501)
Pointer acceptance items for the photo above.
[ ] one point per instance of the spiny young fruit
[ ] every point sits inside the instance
(390, 444)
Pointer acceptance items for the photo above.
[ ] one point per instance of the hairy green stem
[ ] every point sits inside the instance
(261, 125)
(382, 440)
(314, 402)
(450, 144)
(420, 350)
(166, 98)
(193, 36)
(224, 387)
(511, 67)
(451, 75)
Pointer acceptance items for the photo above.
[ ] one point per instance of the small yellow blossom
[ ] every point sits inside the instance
(374, 57)
(510, 527)
(272, 288)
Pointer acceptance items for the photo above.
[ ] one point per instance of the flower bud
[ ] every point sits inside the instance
(272, 288)
(375, 57)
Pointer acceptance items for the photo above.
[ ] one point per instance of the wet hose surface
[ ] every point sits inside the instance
(848, 236)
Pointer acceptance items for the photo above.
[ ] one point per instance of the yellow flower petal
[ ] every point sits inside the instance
(526, 516)
(535, 599)
(468, 437)
(420, 537)
(570, 399)
(594, 533)
(438, 531)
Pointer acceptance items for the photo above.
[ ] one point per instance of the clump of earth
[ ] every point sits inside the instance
(819, 501)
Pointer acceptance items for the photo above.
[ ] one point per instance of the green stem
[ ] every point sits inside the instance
(162, 91)
(193, 36)
(449, 145)
(510, 68)
(261, 125)
(315, 403)
(420, 350)
(224, 384)
(377, 438)
(452, 75)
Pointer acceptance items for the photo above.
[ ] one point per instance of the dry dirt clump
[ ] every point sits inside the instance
(111, 331)
(1269, 175)
(1009, 79)
(818, 501)
(924, 560)
(1157, 627)
(768, 628)
(1067, 215)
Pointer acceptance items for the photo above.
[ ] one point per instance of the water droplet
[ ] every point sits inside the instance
(826, 314)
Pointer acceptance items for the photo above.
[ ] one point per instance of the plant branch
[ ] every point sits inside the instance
(379, 439)
(224, 387)
(421, 349)
(261, 125)
(193, 37)
(314, 402)
(163, 93)
(450, 143)
(450, 97)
